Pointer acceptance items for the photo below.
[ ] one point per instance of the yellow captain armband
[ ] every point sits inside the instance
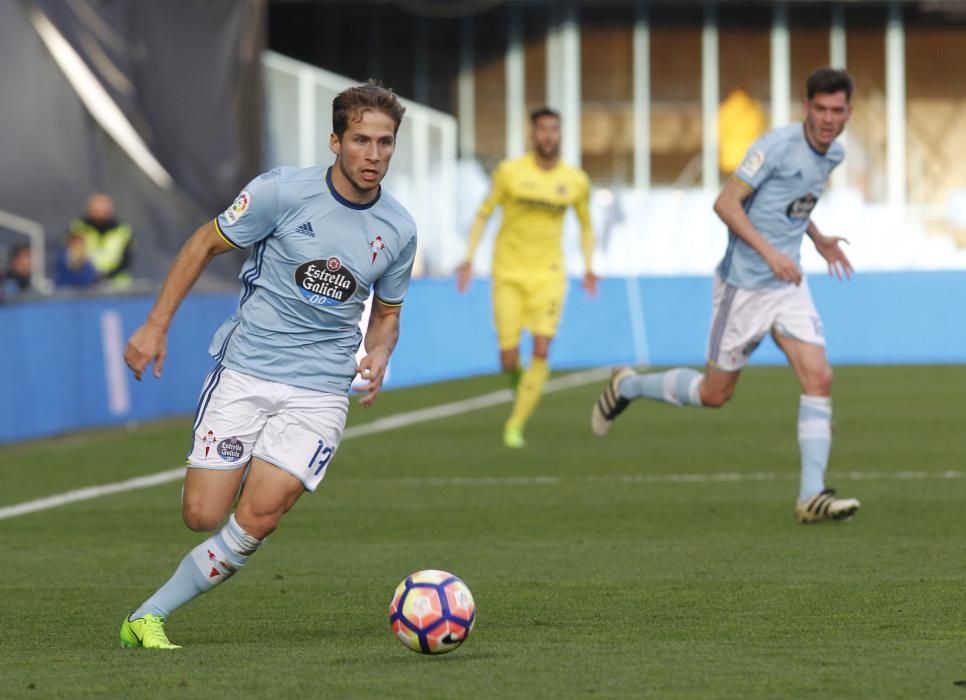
(225, 238)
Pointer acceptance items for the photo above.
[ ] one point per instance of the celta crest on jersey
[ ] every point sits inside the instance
(325, 282)
(376, 246)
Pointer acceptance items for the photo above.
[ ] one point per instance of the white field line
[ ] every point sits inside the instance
(61, 499)
(455, 408)
(377, 426)
(734, 477)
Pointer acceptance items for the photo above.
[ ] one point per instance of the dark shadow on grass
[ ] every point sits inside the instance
(454, 657)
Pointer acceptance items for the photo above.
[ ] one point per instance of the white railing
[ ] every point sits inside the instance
(37, 239)
(423, 173)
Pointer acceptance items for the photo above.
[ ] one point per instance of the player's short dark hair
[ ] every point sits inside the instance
(543, 112)
(352, 103)
(828, 81)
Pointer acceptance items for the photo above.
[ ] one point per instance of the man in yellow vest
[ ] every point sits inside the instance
(741, 121)
(107, 240)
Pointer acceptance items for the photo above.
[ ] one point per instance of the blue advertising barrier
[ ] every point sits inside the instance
(62, 361)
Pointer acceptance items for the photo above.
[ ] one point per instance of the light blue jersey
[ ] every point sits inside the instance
(316, 256)
(787, 177)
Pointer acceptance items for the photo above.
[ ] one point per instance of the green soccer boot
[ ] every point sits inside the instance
(147, 632)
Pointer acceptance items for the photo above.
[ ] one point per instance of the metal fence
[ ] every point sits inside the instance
(423, 173)
(36, 238)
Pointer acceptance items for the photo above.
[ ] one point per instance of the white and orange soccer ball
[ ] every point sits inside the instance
(432, 612)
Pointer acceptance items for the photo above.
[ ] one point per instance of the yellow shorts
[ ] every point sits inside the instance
(534, 302)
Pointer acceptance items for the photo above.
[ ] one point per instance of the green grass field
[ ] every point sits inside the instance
(598, 569)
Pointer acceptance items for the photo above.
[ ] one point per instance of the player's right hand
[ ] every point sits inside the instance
(148, 344)
(464, 274)
(784, 268)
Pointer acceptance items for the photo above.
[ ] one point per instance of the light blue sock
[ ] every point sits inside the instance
(814, 441)
(211, 562)
(681, 387)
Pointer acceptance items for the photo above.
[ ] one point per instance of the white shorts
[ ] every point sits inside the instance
(240, 417)
(743, 317)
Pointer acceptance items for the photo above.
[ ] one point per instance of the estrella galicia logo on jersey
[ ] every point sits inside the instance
(231, 449)
(802, 207)
(325, 282)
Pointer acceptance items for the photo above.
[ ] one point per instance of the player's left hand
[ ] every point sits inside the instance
(590, 283)
(372, 368)
(838, 263)
(148, 344)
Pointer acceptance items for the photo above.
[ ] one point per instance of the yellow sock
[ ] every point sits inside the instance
(528, 392)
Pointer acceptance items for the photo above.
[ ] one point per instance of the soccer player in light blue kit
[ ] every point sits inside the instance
(759, 288)
(276, 401)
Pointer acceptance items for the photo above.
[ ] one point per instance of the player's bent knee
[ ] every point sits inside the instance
(200, 519)
(715, 398)
(509, 360)
(258, 523)
(825, 382)
(828, 379)
(821, 382)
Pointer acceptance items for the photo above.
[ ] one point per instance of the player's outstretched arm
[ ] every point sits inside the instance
(464, 273)
(828, 247)
(381, 337)
(730, 209)
(149, 342)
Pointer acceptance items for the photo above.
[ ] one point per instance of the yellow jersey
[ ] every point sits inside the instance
(534, 202)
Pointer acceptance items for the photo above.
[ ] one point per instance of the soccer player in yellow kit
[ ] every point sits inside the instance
(529, 280)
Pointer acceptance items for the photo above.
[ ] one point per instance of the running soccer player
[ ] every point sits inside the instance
(529, 281)
(759, 288)
(273, 410)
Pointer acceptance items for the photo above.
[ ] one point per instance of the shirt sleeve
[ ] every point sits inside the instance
(760, 162)
(494, 199)
(497, 191)
(252, 216)
(582, 207)
(390, 289)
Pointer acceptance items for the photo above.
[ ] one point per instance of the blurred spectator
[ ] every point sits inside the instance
(17, 279)
(741, 121)
(107, 241)
(74, 267)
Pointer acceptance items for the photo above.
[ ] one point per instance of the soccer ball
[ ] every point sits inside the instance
(432, 612)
